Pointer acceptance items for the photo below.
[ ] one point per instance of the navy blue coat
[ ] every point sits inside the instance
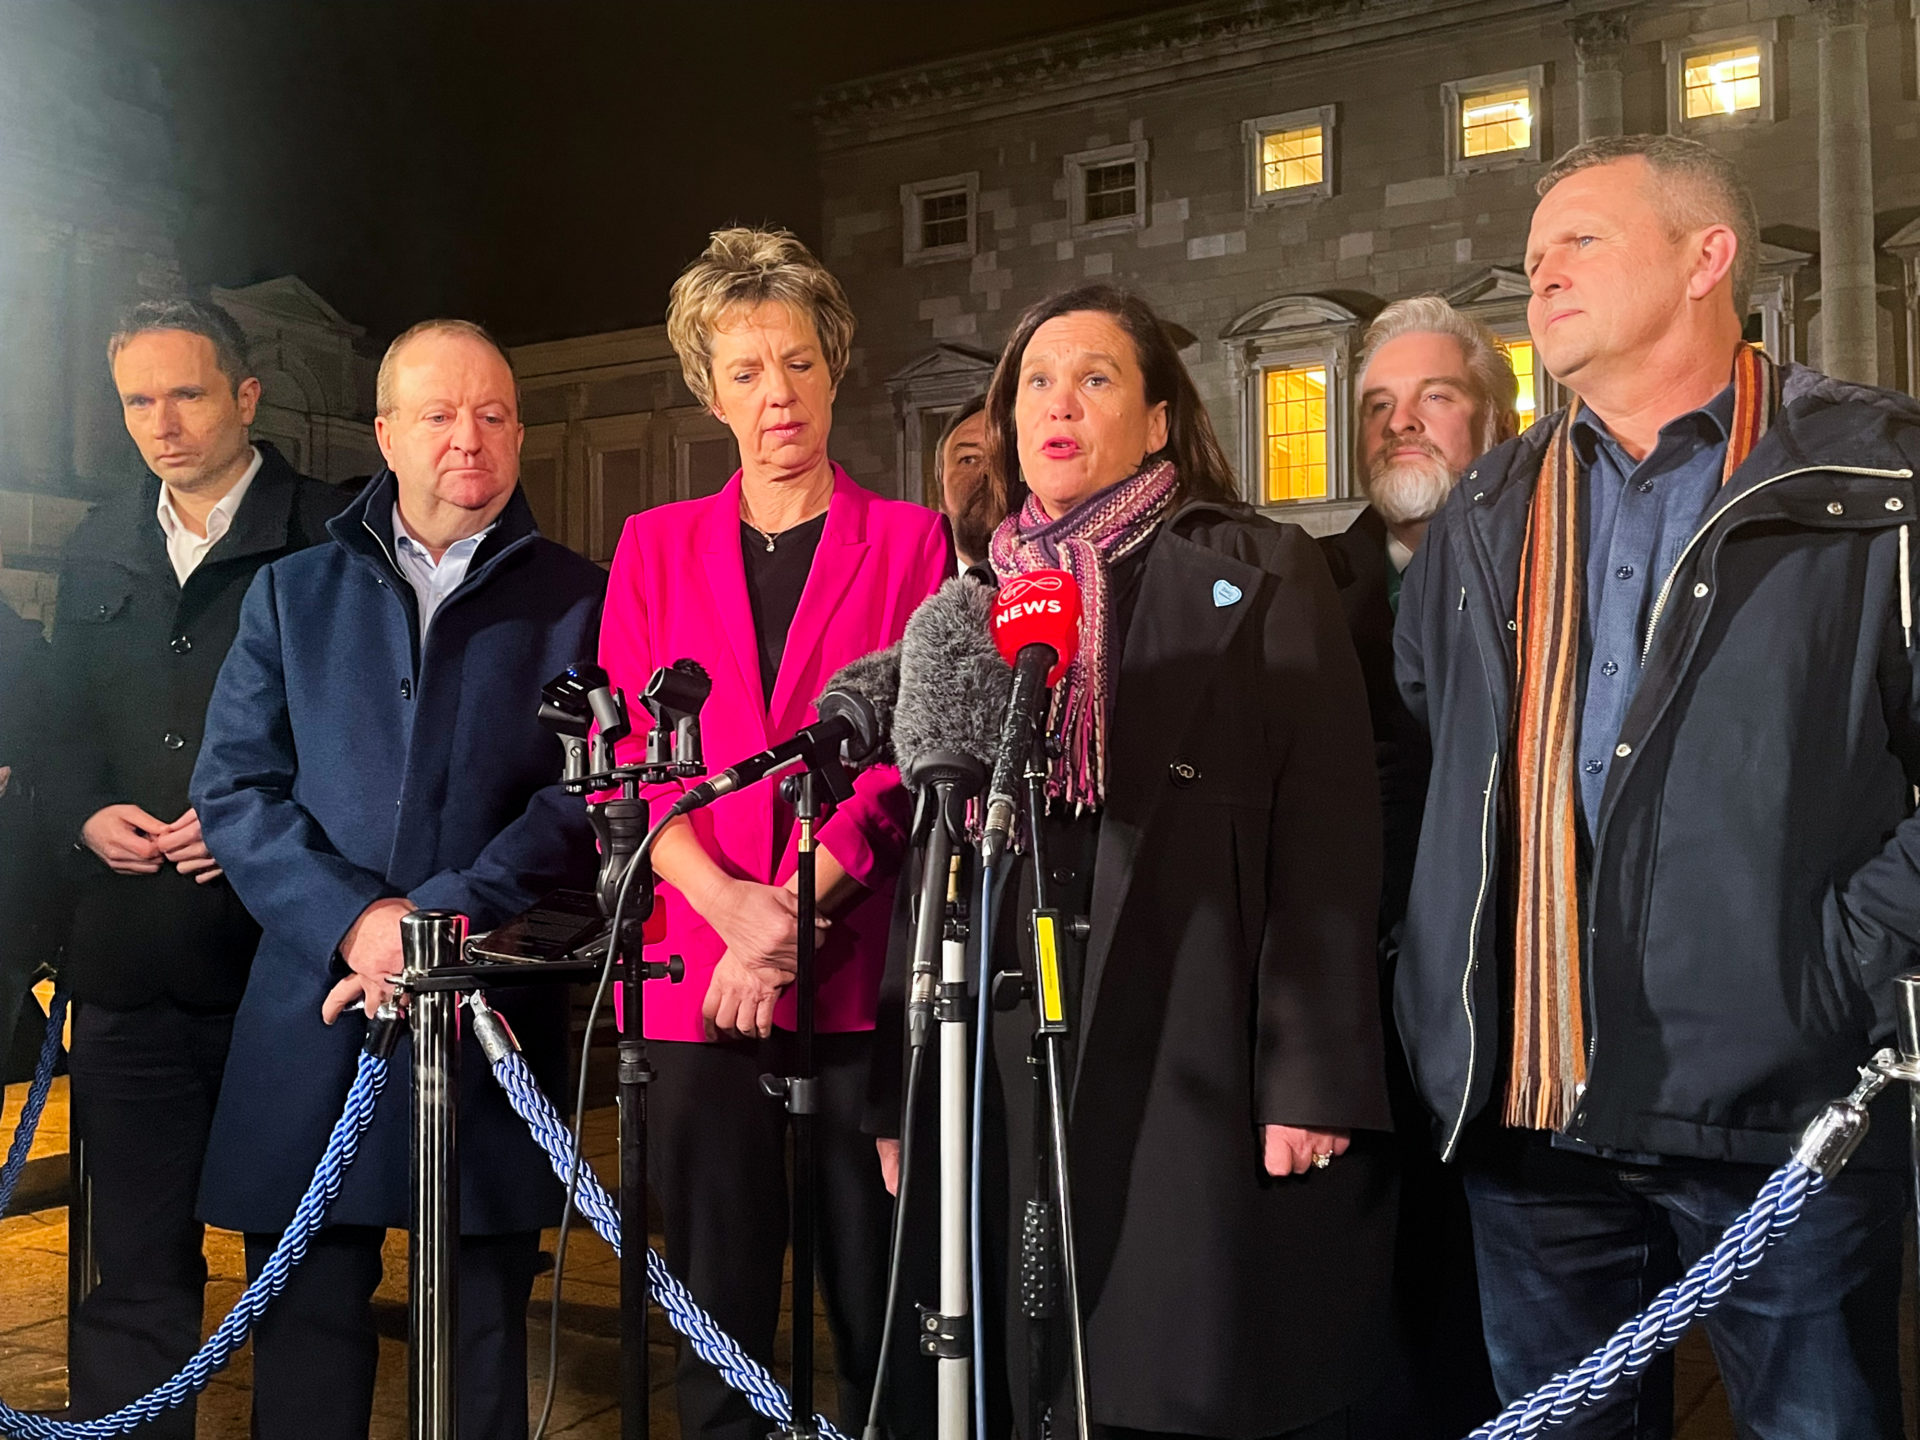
(343, 764)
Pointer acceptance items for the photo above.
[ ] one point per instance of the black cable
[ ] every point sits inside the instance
(916, 1062)
(641, 858)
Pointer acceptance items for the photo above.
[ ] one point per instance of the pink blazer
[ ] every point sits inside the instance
(678, 590)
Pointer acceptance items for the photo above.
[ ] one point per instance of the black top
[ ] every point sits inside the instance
(776, 574)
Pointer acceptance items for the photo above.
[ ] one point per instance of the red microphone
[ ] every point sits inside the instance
(1041, 607)
(1036, 627)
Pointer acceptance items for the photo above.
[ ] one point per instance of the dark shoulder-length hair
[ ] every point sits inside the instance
(1199, 462)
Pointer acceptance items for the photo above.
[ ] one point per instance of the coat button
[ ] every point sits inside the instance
(406, 689)
(1834, 507)
(1182, 774)
(173, 741)
(1894, 502)
(102, 611)
(180, 644)
(1622, 751)
(1062, 875)
(1700, 591)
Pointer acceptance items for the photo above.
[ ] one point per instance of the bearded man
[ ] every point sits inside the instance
(1436, 390)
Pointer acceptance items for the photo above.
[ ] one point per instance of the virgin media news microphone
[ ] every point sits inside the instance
(1036, 626)
(856, 715)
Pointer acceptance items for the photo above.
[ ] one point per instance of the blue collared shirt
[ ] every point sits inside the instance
(1639, 520)
(432, 582)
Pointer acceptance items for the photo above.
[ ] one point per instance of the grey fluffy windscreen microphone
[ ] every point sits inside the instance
(953, 683)
(874, 678)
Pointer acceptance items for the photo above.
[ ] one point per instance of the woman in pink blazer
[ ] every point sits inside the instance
(788, 573)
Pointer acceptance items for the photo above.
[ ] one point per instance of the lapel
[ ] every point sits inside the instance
(843, 546)
(1174, 644)
(726, 579)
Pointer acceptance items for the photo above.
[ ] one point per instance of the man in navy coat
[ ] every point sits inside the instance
(372, 747)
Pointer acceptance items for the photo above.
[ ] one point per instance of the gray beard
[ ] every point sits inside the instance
(1409, 490)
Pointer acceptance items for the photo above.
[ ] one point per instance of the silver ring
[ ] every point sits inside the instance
(1322, 1160)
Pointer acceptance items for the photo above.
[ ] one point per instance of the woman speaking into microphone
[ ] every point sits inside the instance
(774, 583)
(1212, 812)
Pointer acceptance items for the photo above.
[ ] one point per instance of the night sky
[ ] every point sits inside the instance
(546, 168)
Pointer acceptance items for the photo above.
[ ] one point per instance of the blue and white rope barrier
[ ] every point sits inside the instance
(1658, 1328)
(232, 1333)
(23, 1133)
(712, 1344)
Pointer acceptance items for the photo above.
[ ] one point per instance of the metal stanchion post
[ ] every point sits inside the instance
(1906, 1013)
(428, 940)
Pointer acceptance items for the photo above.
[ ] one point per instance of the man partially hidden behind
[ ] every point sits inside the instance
(1436, 390)
(373, 747)
(1664, 647)
(160, 945)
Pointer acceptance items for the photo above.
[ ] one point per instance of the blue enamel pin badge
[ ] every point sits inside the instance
(1225, 593)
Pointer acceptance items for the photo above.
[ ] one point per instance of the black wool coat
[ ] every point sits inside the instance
(1229, 981)
(135, 656)
(1357, 556)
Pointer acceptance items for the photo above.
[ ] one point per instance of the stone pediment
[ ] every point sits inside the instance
(1774, 258)
(1904, 241)
(1289, 312)
(1496, 283)
(289, 300)
(941, 362)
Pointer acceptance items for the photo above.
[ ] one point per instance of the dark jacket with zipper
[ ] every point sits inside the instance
(135, 654)
(346, 762)
(1753, 879)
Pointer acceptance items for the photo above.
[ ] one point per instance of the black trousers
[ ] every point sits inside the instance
(717, 1157)
(144, 1083)
(315, 1349)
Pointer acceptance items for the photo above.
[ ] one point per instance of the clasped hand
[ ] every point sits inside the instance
(132, 842)
(371, 950)
(761, 927)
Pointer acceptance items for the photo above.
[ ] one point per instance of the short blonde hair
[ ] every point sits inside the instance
(746, 267)
(1488, 364)
(383, 401)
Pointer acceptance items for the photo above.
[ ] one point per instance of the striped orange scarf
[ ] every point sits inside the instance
(1549, 1057)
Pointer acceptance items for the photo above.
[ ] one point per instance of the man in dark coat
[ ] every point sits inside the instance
(159, 944)
(1664, 648)
(1435, 390)
(373, 747)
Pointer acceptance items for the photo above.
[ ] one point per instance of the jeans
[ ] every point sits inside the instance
(1570, 1246)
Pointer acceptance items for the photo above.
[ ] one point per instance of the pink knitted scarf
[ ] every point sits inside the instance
(1098, 531)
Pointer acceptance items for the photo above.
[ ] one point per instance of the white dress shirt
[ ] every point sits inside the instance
(184, 548)
(432, 581)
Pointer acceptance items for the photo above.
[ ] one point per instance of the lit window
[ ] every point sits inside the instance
(1290, 159)
(1527, 396)
(1495, 121)
(1295, 433)
(1722, 81)
(1112, 192)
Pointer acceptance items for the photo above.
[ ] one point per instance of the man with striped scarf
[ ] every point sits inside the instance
(1663, 647)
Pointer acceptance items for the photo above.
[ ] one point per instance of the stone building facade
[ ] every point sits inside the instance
(1270, 173)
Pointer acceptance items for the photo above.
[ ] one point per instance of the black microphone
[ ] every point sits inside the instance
(1036, 627)
(850, 731)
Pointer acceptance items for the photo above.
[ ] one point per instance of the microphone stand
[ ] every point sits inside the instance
(800, 1090)
(1049, 1215)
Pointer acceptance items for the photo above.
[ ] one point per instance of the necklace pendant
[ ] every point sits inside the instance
(769, 544)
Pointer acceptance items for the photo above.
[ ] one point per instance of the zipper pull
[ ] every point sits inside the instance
(1463, 598)
(1906, 587)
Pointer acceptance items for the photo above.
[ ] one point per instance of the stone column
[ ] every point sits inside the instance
(1598, 39)
(1849, 346)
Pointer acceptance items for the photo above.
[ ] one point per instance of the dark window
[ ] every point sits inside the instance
(943, 220)
(1113, 191)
